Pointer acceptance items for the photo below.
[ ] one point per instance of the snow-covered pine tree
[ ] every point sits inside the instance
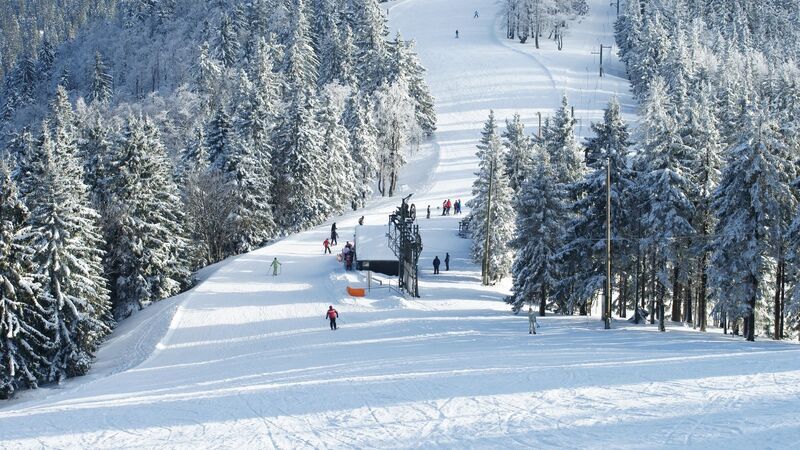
(340, 176)
(144, 222)
(564, 152)
(667, 181)
(750, 202)
(363, 146)
(94, 148)
(244, 163)
(650, 53)
(68, 255)
(45, 58)
(219, 137)
(538, 228)
(499, 215)
(300, 175)
(519, 152)
(301, 65)
(406, 65)
(206, 71)
(703, 138)
(369, 32)
(562, 145)
(102, 89)
(23, 347)
(227, 42)
(332, 43)
(584, 243)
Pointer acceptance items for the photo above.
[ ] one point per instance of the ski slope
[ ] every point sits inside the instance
(246, 360)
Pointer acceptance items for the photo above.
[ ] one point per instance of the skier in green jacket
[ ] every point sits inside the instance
(275, 265)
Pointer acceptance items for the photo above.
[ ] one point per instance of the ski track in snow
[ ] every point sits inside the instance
(246, 360)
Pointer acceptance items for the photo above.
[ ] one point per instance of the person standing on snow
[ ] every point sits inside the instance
(444, 207)
(361, 220)
(332, 315)
(436, 263)
(275, 265)
(456, 34)
(429, 212)
(334, 234)
(327, 244)
(476, 14)
(446, 262)
(531, 321)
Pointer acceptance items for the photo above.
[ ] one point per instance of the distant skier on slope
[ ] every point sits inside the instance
(327, 244)
(476, 14)
(275, 265)
(456, 34)
(447, 261)
(332, 314)
(531, 321)
(436, 262)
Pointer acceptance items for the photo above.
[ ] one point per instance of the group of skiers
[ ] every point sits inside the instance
(447, 205)
(348, 253)
(437, 262)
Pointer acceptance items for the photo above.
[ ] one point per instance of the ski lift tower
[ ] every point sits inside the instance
(406, 243)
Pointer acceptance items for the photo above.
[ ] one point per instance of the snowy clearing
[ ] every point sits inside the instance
(246, 360)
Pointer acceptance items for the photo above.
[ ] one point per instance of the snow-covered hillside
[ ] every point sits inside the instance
(246, 360)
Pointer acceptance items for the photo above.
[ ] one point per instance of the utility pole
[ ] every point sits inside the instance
(488, 216)
(615, 3)
(601, 56)
(538, 113)
(607, 308)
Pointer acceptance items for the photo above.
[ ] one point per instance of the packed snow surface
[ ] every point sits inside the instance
(246, 360)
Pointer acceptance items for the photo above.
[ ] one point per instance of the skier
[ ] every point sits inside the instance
(456, 34)
(476, 14)
(458, 206)
(449, 206)
(446, 261)
(332, 314)
(275, 265)
(361, 220)
(444, 207)
(531, 321)
(334, 234)
(436, 263)
(327, 244)
(429, 212)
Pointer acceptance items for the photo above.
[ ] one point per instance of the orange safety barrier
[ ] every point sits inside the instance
(356, 292)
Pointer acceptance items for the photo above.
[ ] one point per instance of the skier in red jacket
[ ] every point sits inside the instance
(332, 314)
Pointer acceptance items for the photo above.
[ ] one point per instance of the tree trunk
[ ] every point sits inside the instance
(652, 290)
(623, 297)
(701, 300)
(777, 301)
(751, 317)
(687, 302)
(661, 311)
(677, 287)
(724, 320)
(783, 299)
(543, 300)
(392, 182)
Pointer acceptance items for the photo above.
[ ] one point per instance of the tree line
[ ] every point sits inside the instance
(704, 194)
(525, 19)
(110, 199)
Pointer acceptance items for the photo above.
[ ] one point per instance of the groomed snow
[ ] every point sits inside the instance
(246, 360)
